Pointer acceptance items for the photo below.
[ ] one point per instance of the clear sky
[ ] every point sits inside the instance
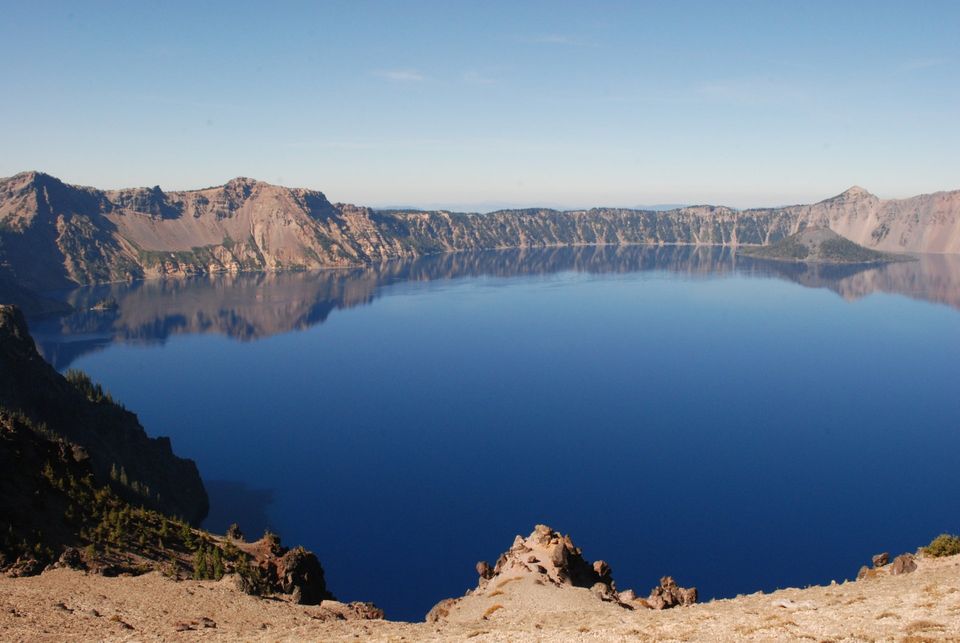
(458, 103)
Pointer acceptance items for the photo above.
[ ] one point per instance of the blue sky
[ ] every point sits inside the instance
(473, 103)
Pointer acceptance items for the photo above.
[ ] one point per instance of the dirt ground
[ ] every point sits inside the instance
(65, 605)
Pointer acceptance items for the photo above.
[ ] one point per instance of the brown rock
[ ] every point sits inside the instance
(366, 611)
(628, 596)
(501, 562)
(71, 559)
(206, 622)
(881, 559)
(484, 570)
(903, 564)
(25, 567)
(669, 594)
(559, 555)
(603, 591)
(300, 574)
(441, 610)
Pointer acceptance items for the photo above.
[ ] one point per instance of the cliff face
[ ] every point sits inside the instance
(142, 470)
(53, 234)
(925, 223)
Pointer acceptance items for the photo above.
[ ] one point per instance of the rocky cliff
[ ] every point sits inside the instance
(53, 234)
(142, 470)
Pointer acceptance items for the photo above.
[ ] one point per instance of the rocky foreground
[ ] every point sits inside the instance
(540, 589)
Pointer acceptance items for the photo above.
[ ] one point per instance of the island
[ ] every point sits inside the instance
(820, 245)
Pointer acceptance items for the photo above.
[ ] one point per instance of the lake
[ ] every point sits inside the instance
(736, 424)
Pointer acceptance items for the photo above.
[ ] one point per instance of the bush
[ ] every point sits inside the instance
(252, 580)
(273, 542)
(943, 545)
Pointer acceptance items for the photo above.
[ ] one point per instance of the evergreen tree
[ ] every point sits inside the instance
(200, 564)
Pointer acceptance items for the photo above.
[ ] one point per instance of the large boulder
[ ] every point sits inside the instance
(299, 574)
(903, 564)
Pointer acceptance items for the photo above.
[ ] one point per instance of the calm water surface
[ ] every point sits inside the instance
(736, 425)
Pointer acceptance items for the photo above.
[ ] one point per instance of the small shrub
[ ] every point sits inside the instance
(273, 542)
(943, 545)
(251, 579)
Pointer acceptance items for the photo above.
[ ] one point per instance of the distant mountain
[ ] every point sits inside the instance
(57, 235)
(661, 207)
(820, 245)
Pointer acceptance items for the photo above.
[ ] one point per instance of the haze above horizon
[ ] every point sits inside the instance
(459, 104)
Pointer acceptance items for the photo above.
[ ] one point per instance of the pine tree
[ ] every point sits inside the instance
(200, 564)
(217, 564)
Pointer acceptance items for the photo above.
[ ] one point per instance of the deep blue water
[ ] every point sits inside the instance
(738, 426)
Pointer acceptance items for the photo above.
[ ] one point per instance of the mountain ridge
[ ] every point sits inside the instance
(56, 235)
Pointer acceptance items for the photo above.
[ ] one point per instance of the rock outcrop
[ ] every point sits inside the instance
(903, 564)
(300, 575)
(548, 571)
(669, 594)
(882, 566)
(54, 235)
(554, 557)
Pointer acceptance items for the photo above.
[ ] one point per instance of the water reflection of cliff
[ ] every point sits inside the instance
(248, 306)
(933, 278)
